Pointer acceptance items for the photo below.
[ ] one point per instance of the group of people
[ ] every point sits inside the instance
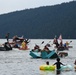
(18, 42)
(37, 48)
(60, 45)
(21, 44)
(58, 65)
(24, 46)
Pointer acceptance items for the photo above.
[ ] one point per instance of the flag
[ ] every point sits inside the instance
(60, 37)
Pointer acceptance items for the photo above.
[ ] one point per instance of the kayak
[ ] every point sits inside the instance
(63, 54)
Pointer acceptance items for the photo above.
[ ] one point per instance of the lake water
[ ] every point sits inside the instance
(19, 62)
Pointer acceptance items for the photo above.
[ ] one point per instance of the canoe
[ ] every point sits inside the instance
(70, 46)
(4, 49)
(63, 54)
(23, 48)
(35, 54)
(51, 55)
(62, 48)
(44, 55)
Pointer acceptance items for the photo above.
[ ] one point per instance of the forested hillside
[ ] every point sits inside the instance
(42, 22)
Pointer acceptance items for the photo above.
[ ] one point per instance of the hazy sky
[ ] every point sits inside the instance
(13, 5)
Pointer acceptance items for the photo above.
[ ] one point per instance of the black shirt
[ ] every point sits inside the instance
(58, 65)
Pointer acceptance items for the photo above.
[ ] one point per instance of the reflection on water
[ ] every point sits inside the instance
(58, 72)
(47, 73)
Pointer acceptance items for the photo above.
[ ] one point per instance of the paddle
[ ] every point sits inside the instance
(48, 44)
(70, 41)
(38, 46)
(42, 42)
(49, 41)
